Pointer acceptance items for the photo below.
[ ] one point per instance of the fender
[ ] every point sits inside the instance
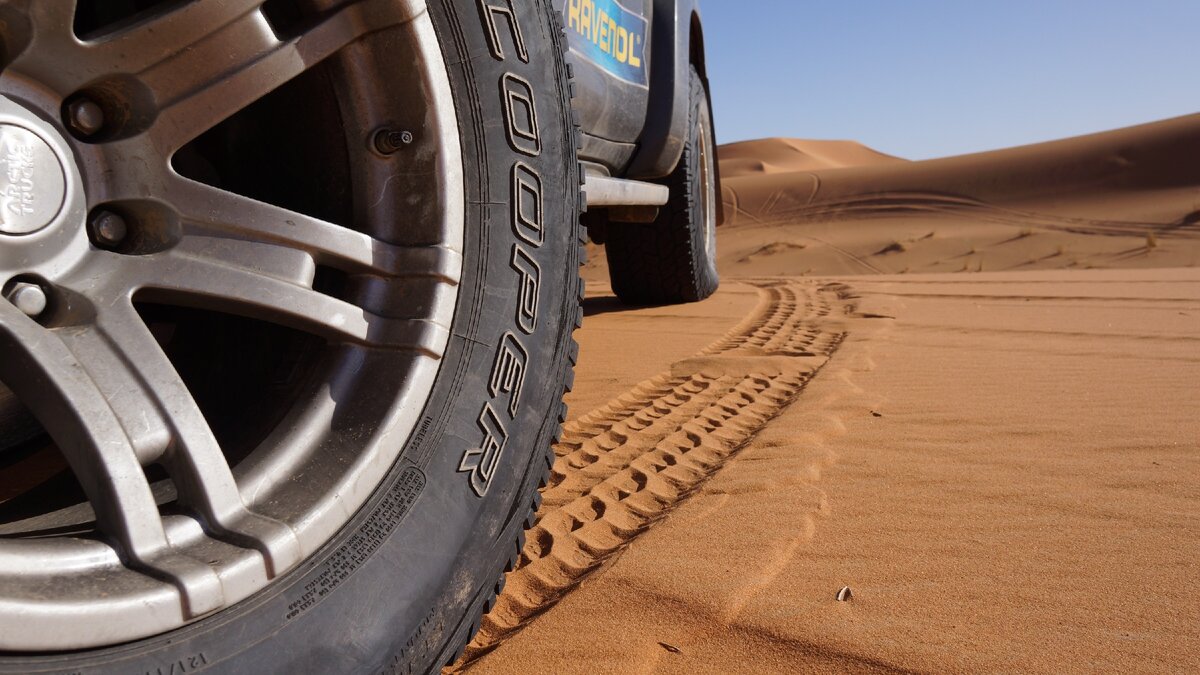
(665, 131)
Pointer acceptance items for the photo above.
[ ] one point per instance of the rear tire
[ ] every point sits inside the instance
(674, 259)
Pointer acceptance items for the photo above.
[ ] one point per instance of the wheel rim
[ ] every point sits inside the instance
(708, 197)
(176, 526)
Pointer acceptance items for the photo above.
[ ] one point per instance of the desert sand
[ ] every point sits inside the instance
(965, 389)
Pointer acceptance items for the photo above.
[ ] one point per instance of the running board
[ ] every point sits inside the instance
(603, 191)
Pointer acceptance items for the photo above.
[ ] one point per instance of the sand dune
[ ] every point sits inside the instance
(1001, 466)
(1137, 175)
(791, 155)
(1127, 198)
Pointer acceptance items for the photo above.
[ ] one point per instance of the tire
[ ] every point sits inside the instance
(401, 584)
(674, 259)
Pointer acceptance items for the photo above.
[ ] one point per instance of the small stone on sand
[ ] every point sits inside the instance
(671, 648)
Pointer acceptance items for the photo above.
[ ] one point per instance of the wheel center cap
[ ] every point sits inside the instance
(32, 183)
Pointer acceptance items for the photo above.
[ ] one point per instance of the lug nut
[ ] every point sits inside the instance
(85, 117)
(108, 229)
(389, 141)
(29, 298)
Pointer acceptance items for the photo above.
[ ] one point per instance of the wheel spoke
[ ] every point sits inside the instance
(224, 212)
(157, 40)
(226, 71)
(56, 385)
(237, 277)
(52, 18)
(199, 63)
(54, 22)
(126, 406)
(40, 368)
(105, 362)
(68, 63)
(194, 459)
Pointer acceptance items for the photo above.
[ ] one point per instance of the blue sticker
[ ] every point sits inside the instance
(610, 36)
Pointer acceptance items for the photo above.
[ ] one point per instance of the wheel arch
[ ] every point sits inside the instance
(697, 57)
(677, 38)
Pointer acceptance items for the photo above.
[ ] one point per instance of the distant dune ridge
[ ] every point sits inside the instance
(789, 155)
(847, 208)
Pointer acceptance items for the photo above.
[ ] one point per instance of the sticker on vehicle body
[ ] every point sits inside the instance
(612, 37)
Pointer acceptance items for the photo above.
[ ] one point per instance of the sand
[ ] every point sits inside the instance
(1129, 198)
(751, 159)
(1002, 467)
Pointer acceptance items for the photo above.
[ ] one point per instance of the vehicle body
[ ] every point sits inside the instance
(635, 62)
(632, 92)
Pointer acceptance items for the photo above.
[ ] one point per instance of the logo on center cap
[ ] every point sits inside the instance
(32, 185)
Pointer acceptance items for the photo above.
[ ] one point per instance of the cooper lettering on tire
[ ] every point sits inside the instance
(297, 332)
(495, 14)
(508, 375)
(481, 462)
(527, 205)
(521, 115)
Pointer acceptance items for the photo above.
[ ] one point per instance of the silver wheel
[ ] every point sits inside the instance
(144, 245)
(708, 192)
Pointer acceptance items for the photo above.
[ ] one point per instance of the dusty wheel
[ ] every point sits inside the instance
(289, 290)
(674, 259)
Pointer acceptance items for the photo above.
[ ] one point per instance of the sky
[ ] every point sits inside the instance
(931, 78)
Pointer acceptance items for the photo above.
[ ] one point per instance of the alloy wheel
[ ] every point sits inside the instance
(167, 270)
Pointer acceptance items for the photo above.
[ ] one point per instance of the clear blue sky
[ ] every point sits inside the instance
(928, 78)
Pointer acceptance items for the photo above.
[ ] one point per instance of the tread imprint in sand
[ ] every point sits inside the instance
(626, 465)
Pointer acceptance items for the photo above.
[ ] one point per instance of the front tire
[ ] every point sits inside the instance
(398, 583)
(674, 259)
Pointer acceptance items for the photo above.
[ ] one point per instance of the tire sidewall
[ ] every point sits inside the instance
(705, 211)
(702, 222)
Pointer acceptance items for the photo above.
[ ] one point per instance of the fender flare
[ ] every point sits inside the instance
(678, 39)
(665, 131)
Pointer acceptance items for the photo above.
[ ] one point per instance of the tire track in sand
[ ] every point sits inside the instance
(625, 466)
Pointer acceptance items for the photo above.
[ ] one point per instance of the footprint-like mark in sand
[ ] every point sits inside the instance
(794, 322)
(626, 465)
